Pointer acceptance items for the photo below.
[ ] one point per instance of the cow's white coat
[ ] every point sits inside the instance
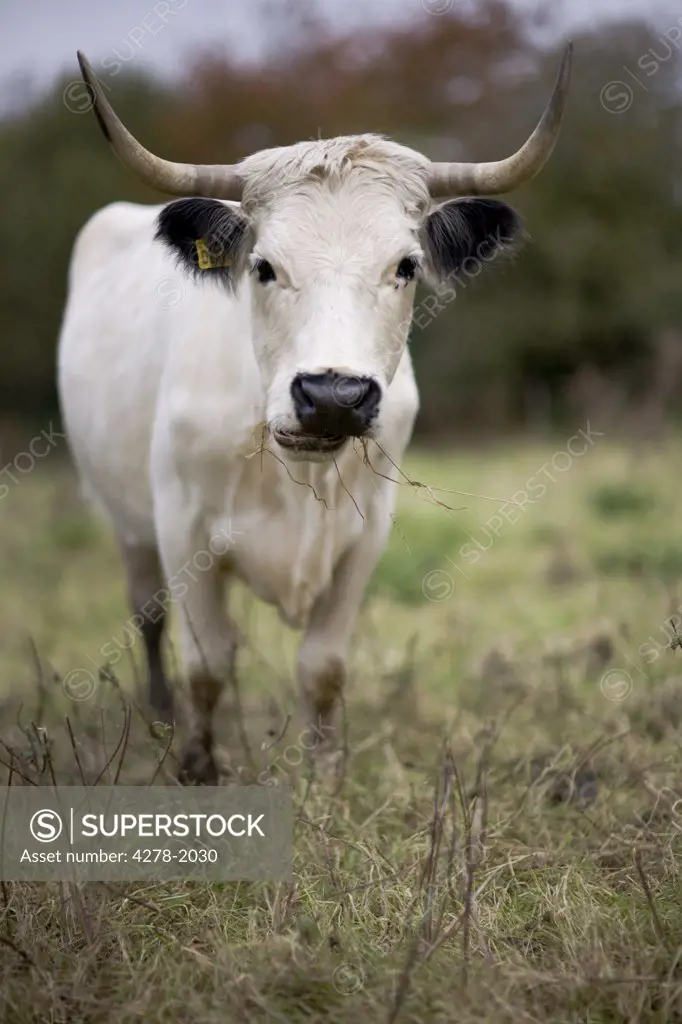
(167, 387)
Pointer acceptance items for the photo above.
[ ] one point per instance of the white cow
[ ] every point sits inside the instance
(260, 390)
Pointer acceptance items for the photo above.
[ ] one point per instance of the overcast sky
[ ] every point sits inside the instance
(39, 38)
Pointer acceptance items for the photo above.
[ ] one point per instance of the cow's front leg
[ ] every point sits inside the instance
(324, 649)
(208, 647)
(196, 584)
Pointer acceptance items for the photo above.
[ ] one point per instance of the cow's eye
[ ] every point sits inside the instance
(407, 268)
(264, 271)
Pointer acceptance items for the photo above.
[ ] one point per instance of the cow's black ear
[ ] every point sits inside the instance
(208, 238)
(464, 232)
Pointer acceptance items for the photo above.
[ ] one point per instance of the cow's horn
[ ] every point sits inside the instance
(217, 180)
(483, 179)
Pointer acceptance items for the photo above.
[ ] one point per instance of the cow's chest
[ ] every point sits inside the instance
(289, 531)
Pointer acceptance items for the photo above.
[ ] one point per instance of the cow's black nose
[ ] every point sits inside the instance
(334, 405)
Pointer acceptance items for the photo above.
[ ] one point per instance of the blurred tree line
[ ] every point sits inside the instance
(586, 322)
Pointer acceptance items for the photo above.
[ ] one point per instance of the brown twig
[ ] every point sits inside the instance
(110, 760)
(126, 737)
(74, 747)
(658, 927)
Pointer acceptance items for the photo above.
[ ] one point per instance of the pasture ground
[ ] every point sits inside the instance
(502, 841)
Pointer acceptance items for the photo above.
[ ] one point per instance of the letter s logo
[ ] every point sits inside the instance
(46, 826)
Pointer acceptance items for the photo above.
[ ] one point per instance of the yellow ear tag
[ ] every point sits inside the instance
(206, 261)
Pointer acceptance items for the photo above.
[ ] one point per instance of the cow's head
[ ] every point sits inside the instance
(331, 238)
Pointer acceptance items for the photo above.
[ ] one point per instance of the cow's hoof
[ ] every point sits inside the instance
(161, 701)
(198, 767)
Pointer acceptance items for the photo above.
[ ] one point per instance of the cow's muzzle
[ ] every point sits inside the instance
(331, 407)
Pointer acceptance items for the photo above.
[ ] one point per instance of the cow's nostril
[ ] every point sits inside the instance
(302, 400)
(371, 396)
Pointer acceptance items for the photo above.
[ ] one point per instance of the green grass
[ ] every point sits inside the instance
(526, 690)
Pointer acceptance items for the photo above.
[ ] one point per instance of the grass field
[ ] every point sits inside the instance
(502, 842)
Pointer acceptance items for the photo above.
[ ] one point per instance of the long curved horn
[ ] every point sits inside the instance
(487, 179)
(219, 181)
